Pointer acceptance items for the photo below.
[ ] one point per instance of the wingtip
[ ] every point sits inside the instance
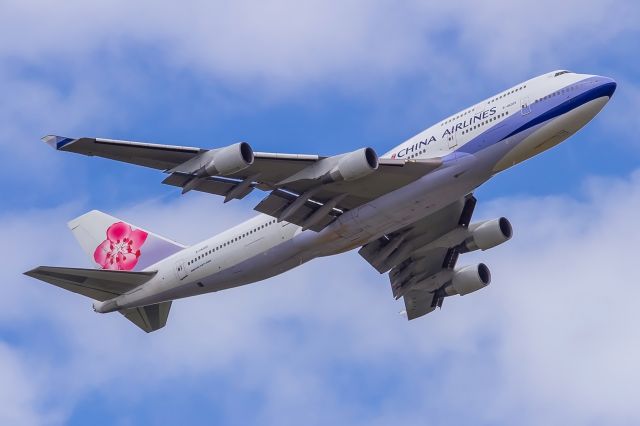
(32, 272)
(56, 142)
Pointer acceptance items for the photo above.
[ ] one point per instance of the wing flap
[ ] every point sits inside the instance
(97, 284)
(277, 202)
(216, 186)
(418, 303)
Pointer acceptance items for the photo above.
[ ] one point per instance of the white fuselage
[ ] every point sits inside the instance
(475, 144)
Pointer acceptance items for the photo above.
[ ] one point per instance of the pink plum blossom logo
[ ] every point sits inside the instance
(121, 250)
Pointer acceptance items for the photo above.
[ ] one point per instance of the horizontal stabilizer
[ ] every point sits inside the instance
(149, 318)
(94, 283)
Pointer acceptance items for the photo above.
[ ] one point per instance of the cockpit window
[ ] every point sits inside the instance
(562, 72)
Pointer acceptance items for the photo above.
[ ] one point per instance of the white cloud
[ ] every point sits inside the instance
(519, 36)
(619, 130)
(553, 336)
(34, 107)
(19, 391)
(285, 44)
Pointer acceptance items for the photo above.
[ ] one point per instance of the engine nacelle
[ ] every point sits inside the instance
(469, 279)
(489, 234)
(229, 160)
(354, 165)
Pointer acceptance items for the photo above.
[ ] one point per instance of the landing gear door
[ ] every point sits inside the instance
(525, 106)
(181, 269)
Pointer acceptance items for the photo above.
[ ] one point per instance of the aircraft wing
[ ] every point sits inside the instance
(300, 186)
(420, 257)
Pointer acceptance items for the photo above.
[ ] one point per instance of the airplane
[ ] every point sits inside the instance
(408, 211)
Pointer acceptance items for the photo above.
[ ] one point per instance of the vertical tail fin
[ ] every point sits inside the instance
(114, 244)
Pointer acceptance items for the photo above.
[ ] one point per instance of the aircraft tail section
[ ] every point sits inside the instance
(117, 245)
(104, 286)
(122, 254)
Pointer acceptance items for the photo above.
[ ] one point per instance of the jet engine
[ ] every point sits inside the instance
(488, 234)
(354, 165)
(228, 160)
(468, 279)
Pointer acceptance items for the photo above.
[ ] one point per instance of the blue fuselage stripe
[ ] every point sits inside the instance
(563, 108)
(519, 122)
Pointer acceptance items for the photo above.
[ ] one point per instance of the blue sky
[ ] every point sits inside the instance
(551, 340)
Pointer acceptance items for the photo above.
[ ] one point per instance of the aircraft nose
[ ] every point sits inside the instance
(607, 86)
